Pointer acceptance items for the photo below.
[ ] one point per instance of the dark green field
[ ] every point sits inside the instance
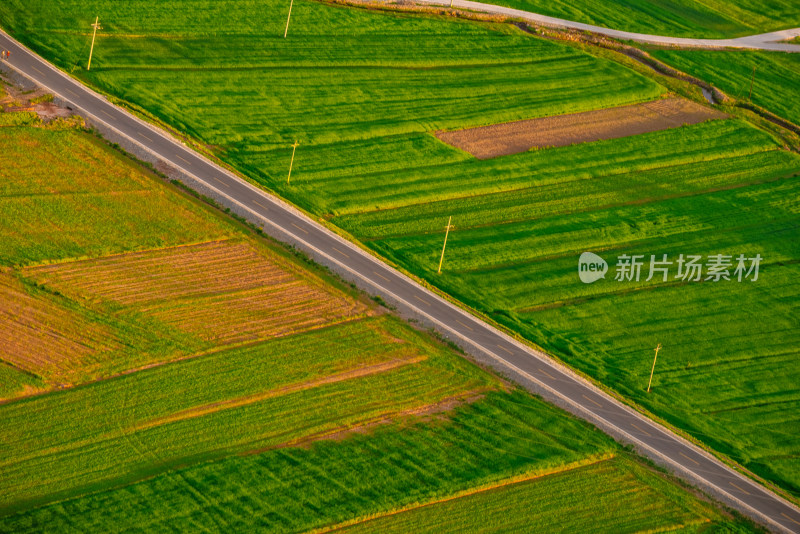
(363, 91)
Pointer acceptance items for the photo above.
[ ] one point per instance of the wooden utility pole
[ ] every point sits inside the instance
(446, 232)
(96, 27)
(658, 348)
(752, 79)
(291, 163)
(286, 31)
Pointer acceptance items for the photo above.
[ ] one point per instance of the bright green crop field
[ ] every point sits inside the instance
(603, 497)
(396, 466)
(363, 91)
(729, 380)
(677, 18)
(777, 75)
(260, 397)
(227, 438)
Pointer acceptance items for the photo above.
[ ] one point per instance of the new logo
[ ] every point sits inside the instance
(591, 267)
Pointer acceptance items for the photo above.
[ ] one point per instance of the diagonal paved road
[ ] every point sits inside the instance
(765, 41)
(547, 377)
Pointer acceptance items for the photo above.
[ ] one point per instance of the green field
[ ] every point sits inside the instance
(98, 203)
(396, 466)
(363, 91)
(728, 380)
(603, 497)
(677, 18)
(261, 396)
(161, 427)
(777, 75)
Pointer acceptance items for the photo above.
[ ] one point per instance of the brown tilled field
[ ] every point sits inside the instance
(225, 291)
(38, 336)
(514, 137)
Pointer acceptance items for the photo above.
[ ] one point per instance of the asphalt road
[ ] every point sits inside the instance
(515, 358)
(764, 41)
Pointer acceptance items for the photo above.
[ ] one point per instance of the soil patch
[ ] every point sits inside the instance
(224, 291)
(514, 137)
(42, 338)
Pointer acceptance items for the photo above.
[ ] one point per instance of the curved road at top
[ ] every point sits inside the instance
(765, 41)
(536, 369)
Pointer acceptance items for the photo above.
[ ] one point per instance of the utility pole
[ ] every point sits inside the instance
(446, 232)
(286, 31)
(291, 163)
(658, 348)
(96, 27)
(752, 79)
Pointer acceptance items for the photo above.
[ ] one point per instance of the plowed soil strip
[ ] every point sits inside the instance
(199, 411)
(514, 137)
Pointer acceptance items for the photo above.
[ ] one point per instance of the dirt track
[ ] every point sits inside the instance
(514, 137)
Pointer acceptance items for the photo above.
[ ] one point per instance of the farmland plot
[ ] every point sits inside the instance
(258, 397)
(496, 140)
(77, 198)
(524, 274)
(607, 496)
(397, 466)
(225, 292)
(362, 91)
(678, 18)
(42, 338)
(775, 80)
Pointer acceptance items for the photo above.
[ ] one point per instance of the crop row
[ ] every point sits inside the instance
(123, 429)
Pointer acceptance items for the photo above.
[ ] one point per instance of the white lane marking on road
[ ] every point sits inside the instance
(739, 488)
(690, 459)
(468, 327)
(340, 252)
(642, 430)
(301, 229)
(592, 401)
(380, 275)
